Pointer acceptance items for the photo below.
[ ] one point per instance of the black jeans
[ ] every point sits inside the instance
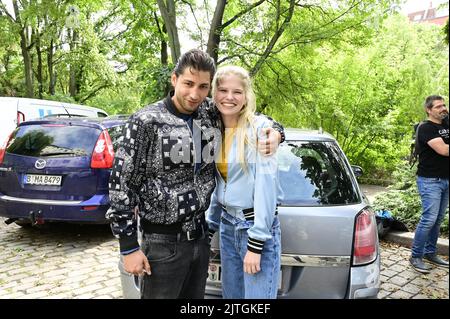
(179, 268)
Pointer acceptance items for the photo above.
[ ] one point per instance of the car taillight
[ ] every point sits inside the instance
(366, 239)
(103, 154)
(3, 147)
(20, 117)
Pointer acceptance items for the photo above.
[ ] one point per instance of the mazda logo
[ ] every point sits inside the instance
(40, 164)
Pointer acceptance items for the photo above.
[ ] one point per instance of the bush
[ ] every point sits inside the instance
(403, 199)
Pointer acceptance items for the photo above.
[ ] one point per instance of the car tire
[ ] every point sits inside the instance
(23, 224)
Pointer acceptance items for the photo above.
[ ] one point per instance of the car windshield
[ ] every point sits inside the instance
(314, 173)
(47, 140)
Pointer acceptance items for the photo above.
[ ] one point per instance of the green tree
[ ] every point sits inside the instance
(366, 91)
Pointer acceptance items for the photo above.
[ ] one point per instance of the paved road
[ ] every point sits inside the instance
(400, 281)
(64, 261)
(69, 261)
(371, 191)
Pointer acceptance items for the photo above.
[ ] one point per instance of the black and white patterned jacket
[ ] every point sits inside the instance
(154, 169)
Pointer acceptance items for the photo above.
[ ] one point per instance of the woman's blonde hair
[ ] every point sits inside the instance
(247, 114)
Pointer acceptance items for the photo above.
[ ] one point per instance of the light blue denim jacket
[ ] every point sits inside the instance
(257, 188)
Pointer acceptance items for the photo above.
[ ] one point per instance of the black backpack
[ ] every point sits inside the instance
(414, 148)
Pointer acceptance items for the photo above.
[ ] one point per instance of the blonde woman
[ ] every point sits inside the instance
(243, 205)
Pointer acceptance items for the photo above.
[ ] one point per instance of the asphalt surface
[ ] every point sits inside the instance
(67, 261)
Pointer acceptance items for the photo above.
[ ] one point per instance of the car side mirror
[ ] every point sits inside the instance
(357, 170)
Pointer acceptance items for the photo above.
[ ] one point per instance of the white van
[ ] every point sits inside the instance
(15, 110)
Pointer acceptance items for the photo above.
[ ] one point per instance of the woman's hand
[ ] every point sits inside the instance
(252, 263)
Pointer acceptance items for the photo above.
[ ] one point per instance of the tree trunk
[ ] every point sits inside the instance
(168, 13)
(28, 69)
(162, 31)
(216, 30)
(39, 63)
(27, 65)
(51, 75)
(164, 55)
(72, 76)
(274, 39)
(217, 25)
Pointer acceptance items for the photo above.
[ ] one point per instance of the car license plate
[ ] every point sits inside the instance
(215, 274)
(52, 180)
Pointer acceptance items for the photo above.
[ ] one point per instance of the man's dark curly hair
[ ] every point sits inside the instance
(197, 60)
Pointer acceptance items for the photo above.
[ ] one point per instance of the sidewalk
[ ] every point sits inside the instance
(372, 190)
(400, 281)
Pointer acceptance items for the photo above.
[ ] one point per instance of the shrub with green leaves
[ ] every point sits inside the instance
(403, 199)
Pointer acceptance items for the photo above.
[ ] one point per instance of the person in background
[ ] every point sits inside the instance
(432, 182)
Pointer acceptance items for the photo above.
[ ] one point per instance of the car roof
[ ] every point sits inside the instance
(297, 134)
(99, 122)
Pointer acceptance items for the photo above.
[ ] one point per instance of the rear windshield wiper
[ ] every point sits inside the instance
(61, 153)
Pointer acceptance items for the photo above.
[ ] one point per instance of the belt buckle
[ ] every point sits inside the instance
(188, 235)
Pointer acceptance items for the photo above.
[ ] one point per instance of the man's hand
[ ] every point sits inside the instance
(269, 145)
(252, 263)
(136, 263)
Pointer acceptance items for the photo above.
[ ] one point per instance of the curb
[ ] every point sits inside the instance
(406, 239)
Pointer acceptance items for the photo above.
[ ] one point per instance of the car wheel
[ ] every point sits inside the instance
(23, 223)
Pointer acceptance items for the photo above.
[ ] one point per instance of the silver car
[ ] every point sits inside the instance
(329, 235)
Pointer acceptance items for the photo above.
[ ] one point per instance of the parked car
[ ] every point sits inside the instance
(57, 169)
(16, 110)
(329, 236)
